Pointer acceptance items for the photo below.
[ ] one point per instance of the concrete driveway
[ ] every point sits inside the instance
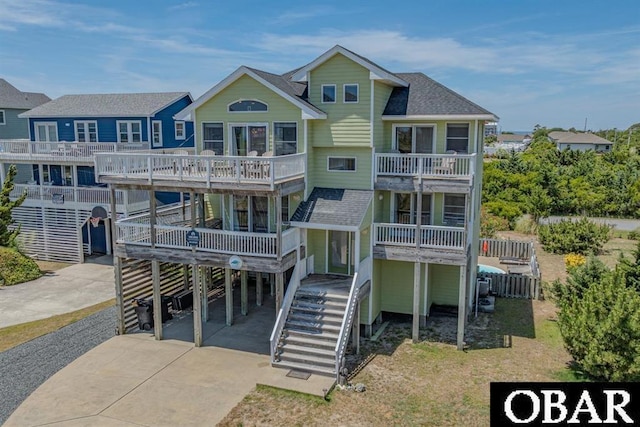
(58, 292)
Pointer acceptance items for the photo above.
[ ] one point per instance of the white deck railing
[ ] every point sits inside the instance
(292, 288)
(92, 196)
(425, 165)
(23, 149)
(204, 169)
(431, 236)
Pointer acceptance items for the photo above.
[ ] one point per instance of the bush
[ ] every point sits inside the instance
(572, 261)
(506, 210)
(580, 237)
(490, 224)
(16, 268)
(633, 235)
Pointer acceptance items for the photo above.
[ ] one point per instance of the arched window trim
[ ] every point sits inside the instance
(251, 100)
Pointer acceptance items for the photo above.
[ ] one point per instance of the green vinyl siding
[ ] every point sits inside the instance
(279, 110)
(316, 246)
(347, 124)
(214, 205)
(381, 138)
(444, 284)
(396, 286)
(322, 177)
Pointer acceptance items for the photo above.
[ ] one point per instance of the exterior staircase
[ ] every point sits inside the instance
(311, 330)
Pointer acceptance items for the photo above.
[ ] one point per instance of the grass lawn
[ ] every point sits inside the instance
(15, 335)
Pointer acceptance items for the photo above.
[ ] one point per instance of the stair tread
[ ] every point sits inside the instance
(310, 318)
(311, 324)
(303, 367)
(305, 332)
(322, 294)
(308, 359)
(310, 342)
(302, 348)
(318, 308)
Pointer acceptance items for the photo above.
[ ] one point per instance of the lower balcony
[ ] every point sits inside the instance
(430, 243)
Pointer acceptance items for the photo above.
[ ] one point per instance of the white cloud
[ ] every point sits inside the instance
(186, 5)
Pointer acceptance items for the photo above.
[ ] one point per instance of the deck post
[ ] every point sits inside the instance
(259, 289)
(272, 283)
(117, 269)
(462, 307)
(244, 293)
(152, 217)
(157, 299)
(206, 281)
(197, 306)
(185, 276)
(423, 318)
(355, 329)
(415, 330)
(278, 227)
(279, 290)
(228, 295)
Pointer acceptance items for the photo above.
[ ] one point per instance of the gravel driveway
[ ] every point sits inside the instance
(24, 368)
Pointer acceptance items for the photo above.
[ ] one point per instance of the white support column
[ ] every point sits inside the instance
(157, 299)
(197, 306)
(415, 331)
(462, 307)
(228, 291)
(259, 289)
(244, 293)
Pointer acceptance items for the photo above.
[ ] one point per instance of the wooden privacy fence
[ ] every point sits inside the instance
(514, 285)
(506, 248)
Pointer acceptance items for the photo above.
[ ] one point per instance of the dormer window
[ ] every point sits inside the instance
(247, 105)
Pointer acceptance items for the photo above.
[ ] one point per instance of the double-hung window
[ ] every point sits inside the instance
(129, 131)
(180, 130)
(86, 131)
(458, 137)
(156, 128)
(285, 137)
(454, 210)
(212, 137)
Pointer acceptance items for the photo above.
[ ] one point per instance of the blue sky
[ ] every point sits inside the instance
(555, 63)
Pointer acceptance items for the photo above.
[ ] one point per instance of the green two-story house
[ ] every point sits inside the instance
(356, 190)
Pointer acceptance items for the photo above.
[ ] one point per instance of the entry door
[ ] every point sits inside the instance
(339, 252)
(423, 143)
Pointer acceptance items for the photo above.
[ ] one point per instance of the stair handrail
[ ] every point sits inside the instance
(347, 322)
(294, 284)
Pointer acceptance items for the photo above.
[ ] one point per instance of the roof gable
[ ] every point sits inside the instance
(11, 97)
(376, 72)
(282, 86)
(107, 105)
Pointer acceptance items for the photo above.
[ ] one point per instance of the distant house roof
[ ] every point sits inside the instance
(426, 97)
(511, 137)
(106, 105)
(561, 137)
(11, 97)
(336, 207)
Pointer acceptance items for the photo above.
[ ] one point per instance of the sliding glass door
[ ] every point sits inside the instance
(247, 138)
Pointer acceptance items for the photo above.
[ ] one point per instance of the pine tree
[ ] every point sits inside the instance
(7, 235)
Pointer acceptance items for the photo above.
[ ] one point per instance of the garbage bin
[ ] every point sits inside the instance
(144, 311)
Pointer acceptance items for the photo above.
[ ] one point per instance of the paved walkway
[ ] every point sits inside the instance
(135, 380)
(62, 291)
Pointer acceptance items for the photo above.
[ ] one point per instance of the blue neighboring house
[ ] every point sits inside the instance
(66, 215)
(12, 103)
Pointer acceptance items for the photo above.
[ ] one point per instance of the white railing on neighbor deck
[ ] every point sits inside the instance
(431, 236)
(292, 288)
(23, 149)
(360, 278)
(425, 165)
(136, 231)
(204, 169)
(90, 195)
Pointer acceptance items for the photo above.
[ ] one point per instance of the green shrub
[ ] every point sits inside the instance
(507, 210)
(16, 268)
(579, 237)
(633, 235)
(490, 224)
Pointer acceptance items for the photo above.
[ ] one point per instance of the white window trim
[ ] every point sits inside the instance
(355, 164)
(245, 112)
(184, 129)
(393, 205)
(335, 92)
(394, 140)
(230, 126)
(35, 129)
(4, 118)
(153, 133)
(344, 93)
(289, 142)
(223, 133)
(444, 205)
(129, 132)
(84, 122)
(446, 134)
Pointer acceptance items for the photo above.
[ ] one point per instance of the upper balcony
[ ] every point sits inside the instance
(201, 172)
(438, 172)
(24, 150)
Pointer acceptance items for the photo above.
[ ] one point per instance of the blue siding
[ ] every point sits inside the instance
(168, 125)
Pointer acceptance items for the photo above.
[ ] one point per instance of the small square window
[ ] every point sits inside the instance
(350, 93)
(344, 164)
(328, 94)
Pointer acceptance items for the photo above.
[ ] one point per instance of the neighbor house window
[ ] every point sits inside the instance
(454, 210)
(129, 131)
(285, 137)
(86, 131)
(156, 127)
(2, 118)
(180, 131)
(350, 93)
(247, 105)
(347, 164)
(212, 137)
(458, 137)
(328, 94)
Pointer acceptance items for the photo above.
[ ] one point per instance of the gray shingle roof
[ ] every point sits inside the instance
(11, 97)
(334, 206)
(425, 96)
(577, 138)
(284, 83)
(106, 105)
